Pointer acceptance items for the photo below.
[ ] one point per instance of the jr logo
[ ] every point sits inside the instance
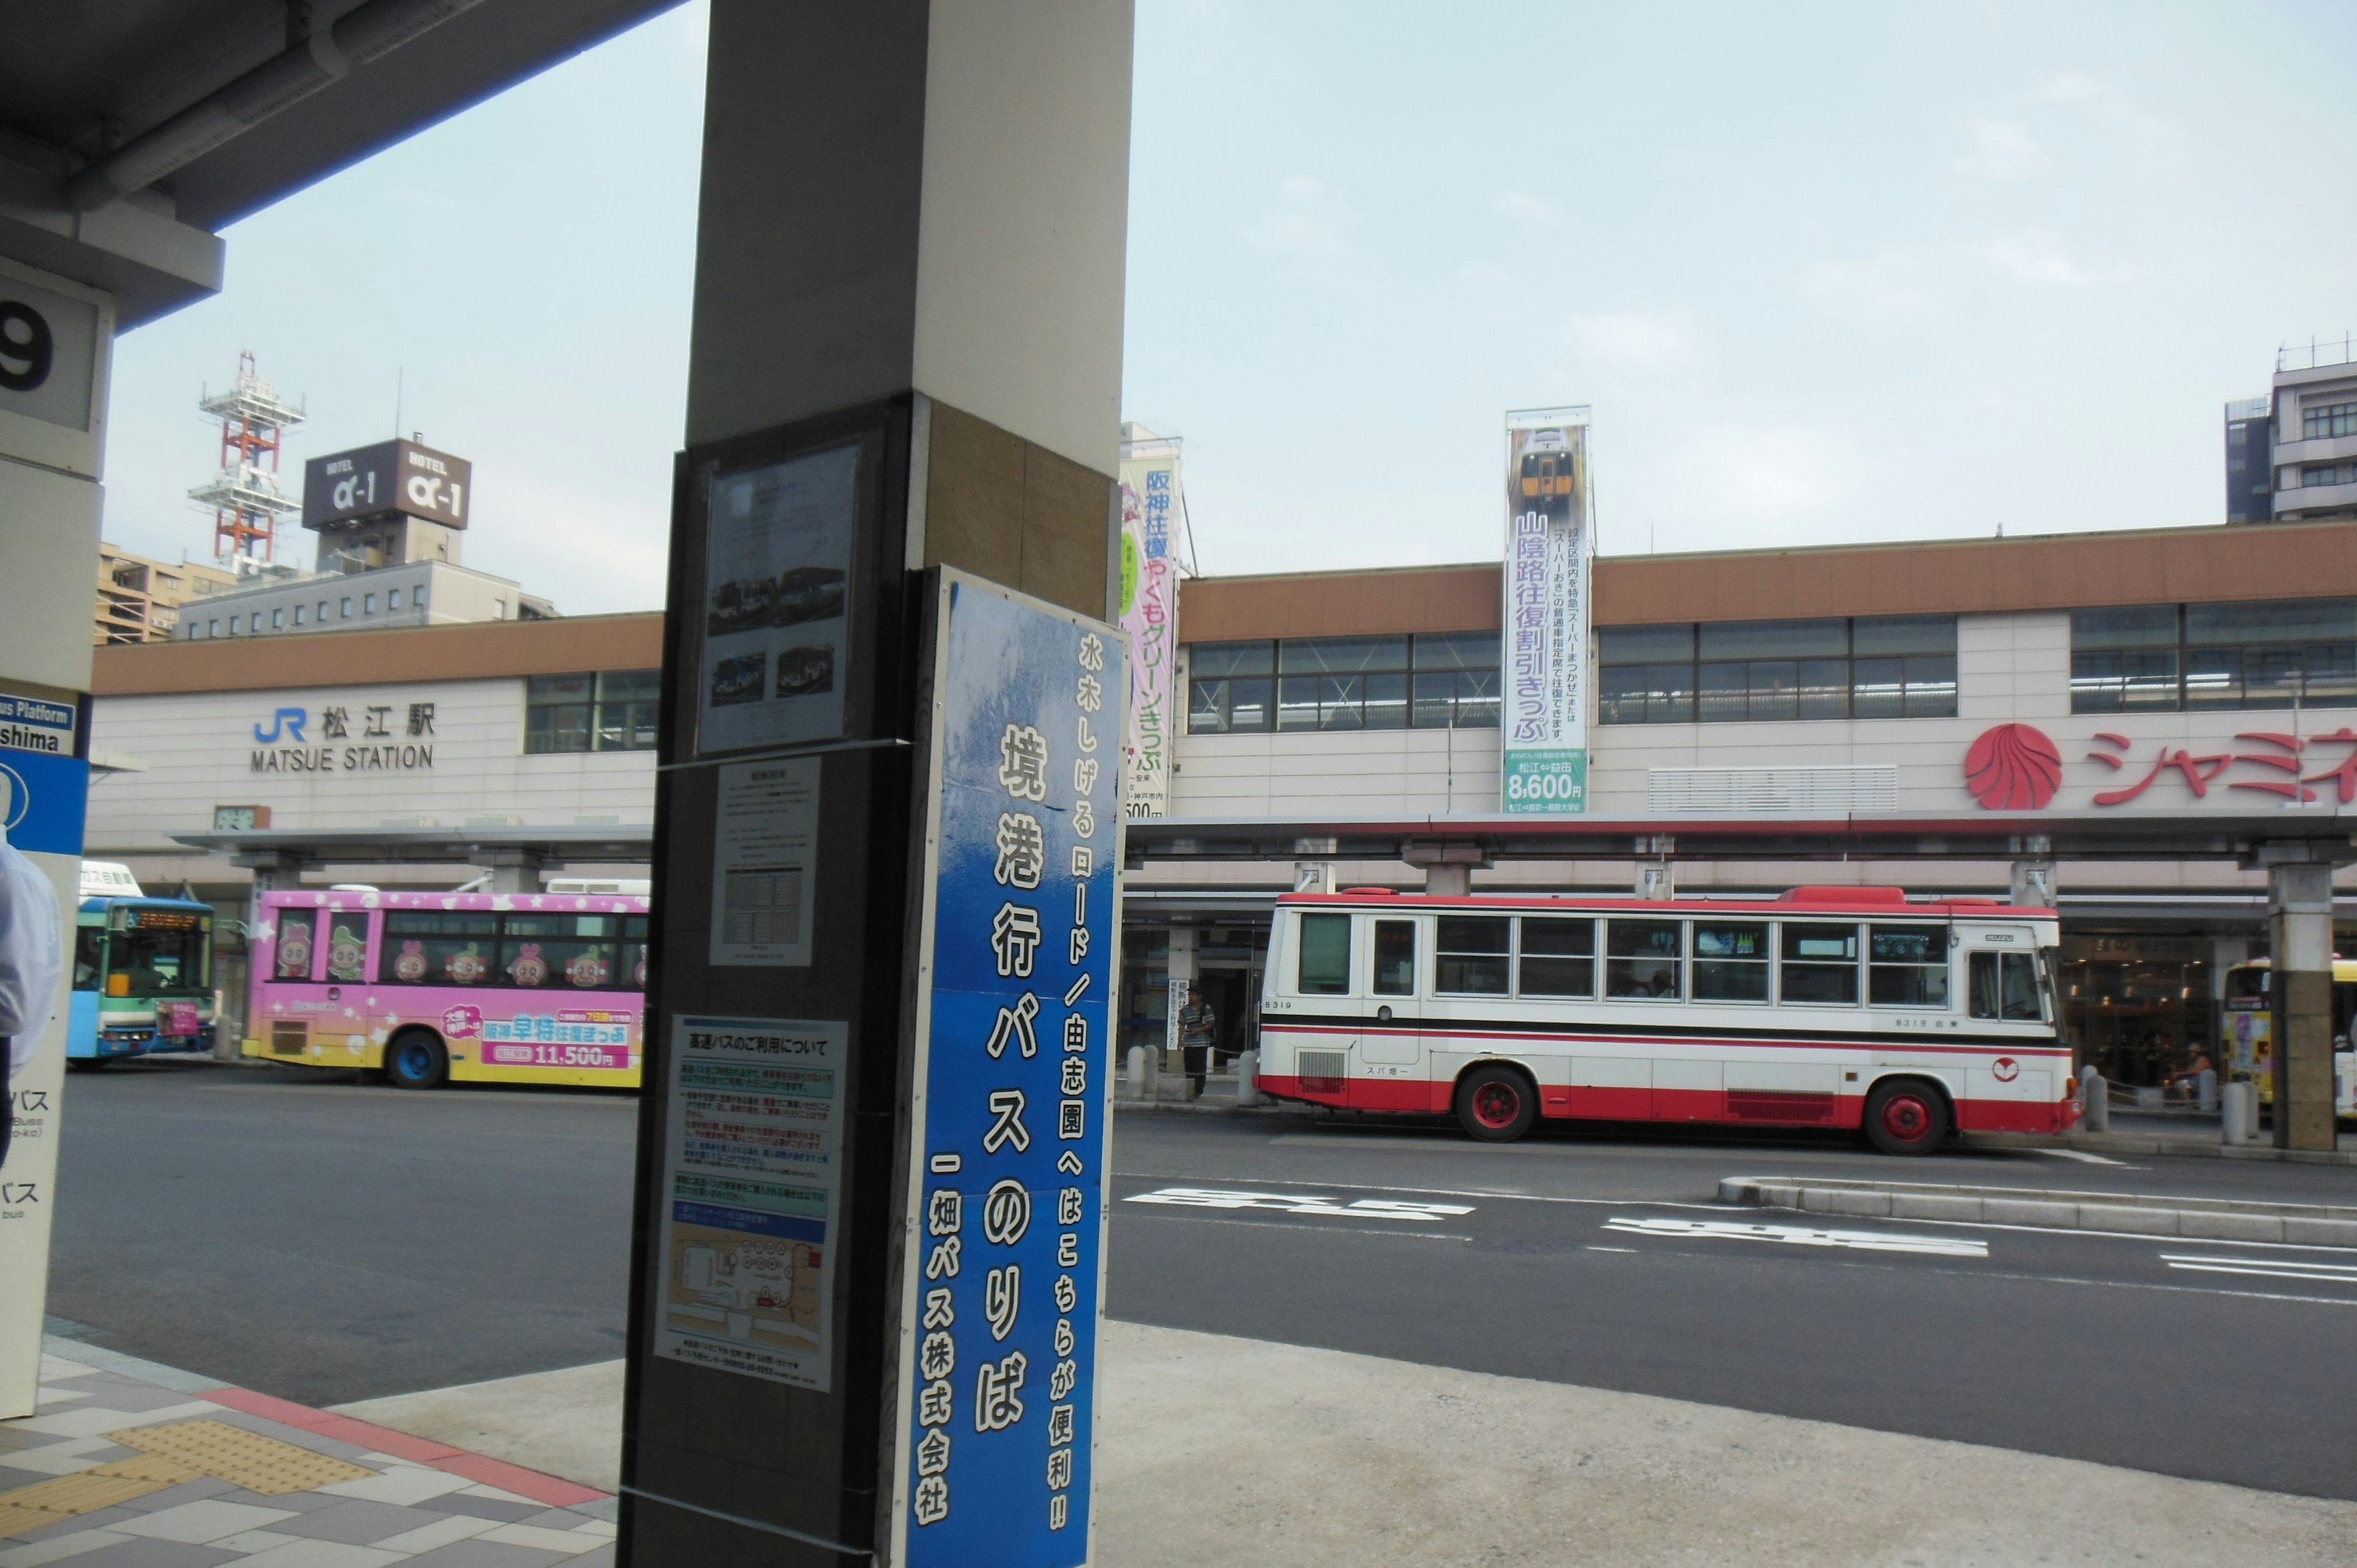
(288, 721)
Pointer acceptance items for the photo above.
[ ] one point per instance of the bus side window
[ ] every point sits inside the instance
(1394, 957)
(634, 953)
(2004, 987)
(89, 956)
(1558, 958)
(292, 960)
(1324, 968)
(348, 932)
(2344, 1007)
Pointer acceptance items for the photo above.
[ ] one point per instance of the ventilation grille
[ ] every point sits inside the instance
(289, 1037)
(1769, 791)
(1772, 1105)
(1321, 1071)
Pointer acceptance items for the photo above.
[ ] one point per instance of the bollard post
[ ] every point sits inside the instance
(2239, 1114)
(1248, 1077)
(1133, 1073)
(2096, 1097)
(2205, 1089)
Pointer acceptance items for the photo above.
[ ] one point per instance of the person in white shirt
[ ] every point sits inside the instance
(32, 955)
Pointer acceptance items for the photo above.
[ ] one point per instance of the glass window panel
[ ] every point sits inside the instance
(1386, 702)
(1207, 705)
(1878, 688)
(2333, 674)
(1903, 634)
(1394, 957)
(623, 685)
(1643, 959)
(1248, 704)
(1820, 963)
(293, 960)
(558, 688)
(1558, 957)
(1620, 693)
(1231, 659)
(1726, 694)
(2125, 681)
(2138, 625)
(1931, 686)
(1435, 703)
(2017, 985)
(1477, 699)
(1907, 966)
(1340, 655)
(1827, 638)
(2214, 678)
(1730, 961)
(1825, 688)
(1325, 962)
(1469, 954)
(2274, 620)
(1645, 644)
(1775, 689)
(1671, 699)
(1297, 702)
(1457, 651)
(1341, 702)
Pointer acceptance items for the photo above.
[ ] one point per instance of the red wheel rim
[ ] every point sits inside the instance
(1906, 1117)
(1496, 1105)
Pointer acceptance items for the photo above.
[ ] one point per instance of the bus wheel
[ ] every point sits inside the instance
(1495, 1104)
(416, 1060)
(1906, 1116)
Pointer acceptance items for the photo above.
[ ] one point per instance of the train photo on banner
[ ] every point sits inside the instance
(1830, 1008)
(142, 972)
(429, 988)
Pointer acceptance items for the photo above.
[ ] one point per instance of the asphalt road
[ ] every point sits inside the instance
(327, 1241)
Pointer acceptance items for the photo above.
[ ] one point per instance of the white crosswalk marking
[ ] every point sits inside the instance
(1801, 1236)
(2270, 1268)
(1298, 1203)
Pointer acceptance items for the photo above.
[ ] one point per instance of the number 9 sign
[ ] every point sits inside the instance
(28, 349)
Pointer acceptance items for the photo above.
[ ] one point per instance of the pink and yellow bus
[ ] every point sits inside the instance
(429, 988)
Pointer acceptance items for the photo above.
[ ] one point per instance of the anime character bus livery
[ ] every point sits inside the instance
(435, 987)
(2247, 1026)
(142, 972)
(1843, 1007)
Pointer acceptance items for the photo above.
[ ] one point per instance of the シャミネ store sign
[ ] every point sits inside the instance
(346, 738)
(2019, 767)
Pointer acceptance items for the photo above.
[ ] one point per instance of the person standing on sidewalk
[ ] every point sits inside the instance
(1198, 1026)
(32, 954)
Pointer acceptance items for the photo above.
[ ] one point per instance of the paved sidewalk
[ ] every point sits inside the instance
(131, 1465)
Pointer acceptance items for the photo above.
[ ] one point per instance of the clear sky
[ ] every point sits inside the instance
(1825, 271)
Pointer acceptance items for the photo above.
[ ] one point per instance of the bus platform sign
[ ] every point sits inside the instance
(1002, 1274)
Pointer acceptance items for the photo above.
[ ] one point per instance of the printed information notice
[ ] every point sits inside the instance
(753, 1159)
(778, 559)
(764, 871)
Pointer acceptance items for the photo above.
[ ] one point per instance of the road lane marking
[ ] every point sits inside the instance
(1594, 1248)
(1291, 1225)
(1801, 1236)
(1285, 1203)
(2084, 1157)
(1624, 1201)
(2271, 1268)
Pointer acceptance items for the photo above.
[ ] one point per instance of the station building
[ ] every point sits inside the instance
(2160, 676)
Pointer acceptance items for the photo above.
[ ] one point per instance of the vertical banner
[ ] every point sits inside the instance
(1550, 542)
(1012, 1086)
(1150, 506)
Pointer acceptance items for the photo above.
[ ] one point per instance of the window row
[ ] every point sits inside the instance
(1814, 963)
(1863, 667)
(1429, 680)
(250, 624)
(539, 951)
(2328, 420)
(2264, 654)
(2312, 475)
(611, 711)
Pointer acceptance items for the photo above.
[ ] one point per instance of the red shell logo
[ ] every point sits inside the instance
(2005, 1069)
(2013, 768)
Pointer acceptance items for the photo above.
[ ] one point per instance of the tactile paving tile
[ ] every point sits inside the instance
(242, 1458)
(47, 1502)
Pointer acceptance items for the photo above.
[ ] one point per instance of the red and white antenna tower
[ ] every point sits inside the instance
(245, 496)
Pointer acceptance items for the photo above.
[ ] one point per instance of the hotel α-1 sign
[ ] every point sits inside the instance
(2018, 767)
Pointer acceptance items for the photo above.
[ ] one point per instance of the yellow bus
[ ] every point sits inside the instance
(2247, 1027)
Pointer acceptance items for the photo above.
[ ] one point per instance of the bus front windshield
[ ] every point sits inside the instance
(160, 962)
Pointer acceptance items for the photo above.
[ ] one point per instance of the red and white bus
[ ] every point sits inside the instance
(1844, 1007)
(430, 988)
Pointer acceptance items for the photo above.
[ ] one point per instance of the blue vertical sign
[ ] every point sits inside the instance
(1012, 1087)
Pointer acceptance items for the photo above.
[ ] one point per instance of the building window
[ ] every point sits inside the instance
(1862, 667)
(323, 612)
(298, 615)
(346, 611)
(2315, 474)
(367, 604)
(2260, 654)
(1431, 680)
(417, 597)
(212, 628)
(2330, 420)
(277, 619)
(393, 598)
(610, 711)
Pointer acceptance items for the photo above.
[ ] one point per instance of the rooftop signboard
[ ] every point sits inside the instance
(390, 477)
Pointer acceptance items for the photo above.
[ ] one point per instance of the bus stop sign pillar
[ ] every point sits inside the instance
(2300, 921)
(56, 344)
(865, 1260)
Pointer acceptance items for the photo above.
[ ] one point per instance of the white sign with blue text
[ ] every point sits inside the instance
(1012, 1067)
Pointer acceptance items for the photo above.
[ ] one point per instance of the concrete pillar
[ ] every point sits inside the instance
(905, 355)
(2299, 918)
(2034, 884)
(510, 870)
(56, 343)
(1182, 987)
(1448, 867)
(1656, 880)
(274, 871)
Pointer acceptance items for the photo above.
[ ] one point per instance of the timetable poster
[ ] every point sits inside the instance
(752, 1177)
(998, 1354)
(764, 862)
(777, 568)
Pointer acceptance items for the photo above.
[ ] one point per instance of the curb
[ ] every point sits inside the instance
(1213, 1108)
(2117, 1214)
(2165, 1143)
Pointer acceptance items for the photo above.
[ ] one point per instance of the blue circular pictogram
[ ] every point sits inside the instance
(19, 800)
